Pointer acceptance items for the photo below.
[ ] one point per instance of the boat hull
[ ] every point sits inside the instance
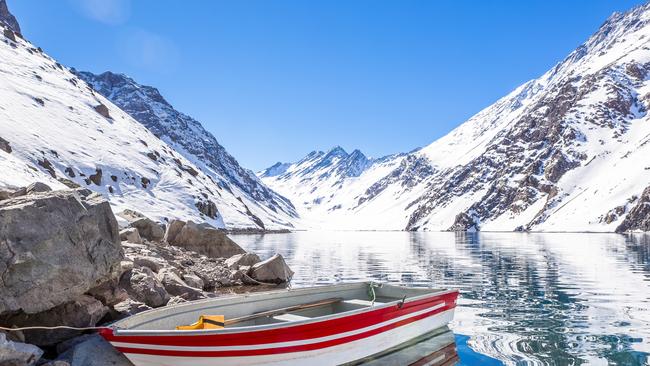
(329, 342)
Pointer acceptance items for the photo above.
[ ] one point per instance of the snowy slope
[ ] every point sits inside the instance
(568, 151)
(188, 137)
(61, 132)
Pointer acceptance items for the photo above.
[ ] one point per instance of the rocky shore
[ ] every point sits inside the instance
(66, 259)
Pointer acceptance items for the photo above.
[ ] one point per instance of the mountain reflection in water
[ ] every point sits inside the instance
(526, 298)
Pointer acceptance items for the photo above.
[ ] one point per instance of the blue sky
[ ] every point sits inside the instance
(274, 80)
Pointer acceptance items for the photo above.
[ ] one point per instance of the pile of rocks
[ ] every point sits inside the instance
(65, 261)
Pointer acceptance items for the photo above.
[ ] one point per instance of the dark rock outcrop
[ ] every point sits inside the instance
(5, 146)
(639, 216)
(7, 18)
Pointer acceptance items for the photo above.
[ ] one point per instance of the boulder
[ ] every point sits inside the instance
(132, 235)
(273, 270)
(205, 239)
(177, 287)
(147, 228)
(85, 311)
(193, 281)
(245, 259)
(152, 263)
(93, 350)
(127, 308)
(142, 285)
(173, 229)
(54, 247)
(109, 293)
(18, 354)
(176, 300)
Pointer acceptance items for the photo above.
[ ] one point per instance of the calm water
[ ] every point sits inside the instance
(526, 299)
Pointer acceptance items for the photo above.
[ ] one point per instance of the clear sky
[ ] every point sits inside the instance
(274, 80)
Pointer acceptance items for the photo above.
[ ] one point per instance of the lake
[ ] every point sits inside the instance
(526, 298)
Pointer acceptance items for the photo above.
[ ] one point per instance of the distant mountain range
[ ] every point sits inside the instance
(568, 151)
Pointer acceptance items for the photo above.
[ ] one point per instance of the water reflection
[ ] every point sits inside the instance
(433, 349)
(527, 299)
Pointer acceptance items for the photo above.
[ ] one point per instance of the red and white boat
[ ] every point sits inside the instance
(328, 325)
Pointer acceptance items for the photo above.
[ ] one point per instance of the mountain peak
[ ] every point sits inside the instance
(338, 151)
(7, 18)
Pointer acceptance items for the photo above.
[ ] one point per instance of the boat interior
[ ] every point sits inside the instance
(272, 308)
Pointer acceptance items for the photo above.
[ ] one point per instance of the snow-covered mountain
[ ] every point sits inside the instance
(188, 137)
(56, 129)
(568, 151)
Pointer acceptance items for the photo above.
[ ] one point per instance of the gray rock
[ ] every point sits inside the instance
(84, 311)
(173, 229)
(18, 354)
(37, 187)
(176, 300)
(109, 292)
(245, 259)
(132, 235)
(147, 228)
(205, 239)
(273, 270)
(54, 247)
(177, 287)
(193, 281)
(56, 363)
(152, 263)
(129, 307)
(94, 351)
(142, 285)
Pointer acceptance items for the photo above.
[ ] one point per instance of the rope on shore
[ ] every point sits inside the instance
(58, 327)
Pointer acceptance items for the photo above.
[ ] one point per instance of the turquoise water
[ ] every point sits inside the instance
(526, 299)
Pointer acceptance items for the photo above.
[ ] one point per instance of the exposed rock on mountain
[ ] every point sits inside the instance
(187, 136)
(7, 18)
(638, 218)
(54, 246)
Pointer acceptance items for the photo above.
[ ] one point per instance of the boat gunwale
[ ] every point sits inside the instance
(255, 328)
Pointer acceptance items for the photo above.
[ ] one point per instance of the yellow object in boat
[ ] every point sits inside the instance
(205, 322)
